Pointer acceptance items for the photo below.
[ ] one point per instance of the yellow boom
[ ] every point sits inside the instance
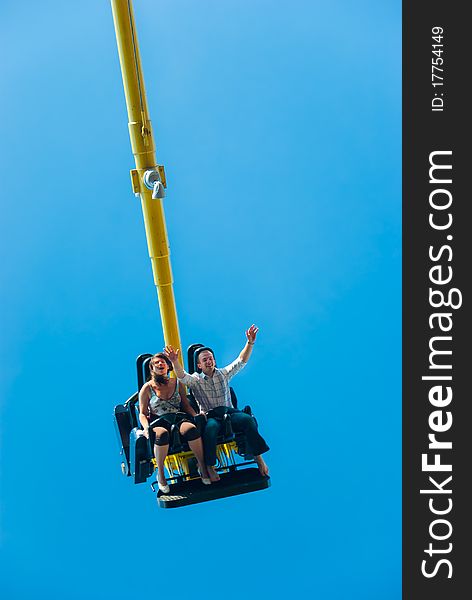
(148, 179)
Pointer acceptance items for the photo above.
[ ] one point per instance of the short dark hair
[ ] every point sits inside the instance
(198, 351)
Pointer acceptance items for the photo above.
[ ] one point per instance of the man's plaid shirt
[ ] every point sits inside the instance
(211, 392)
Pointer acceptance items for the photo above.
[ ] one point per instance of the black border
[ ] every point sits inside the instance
(425, 131)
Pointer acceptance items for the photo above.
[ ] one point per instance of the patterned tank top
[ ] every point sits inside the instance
(159, 406)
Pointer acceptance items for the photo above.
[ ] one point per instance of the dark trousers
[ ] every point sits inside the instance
(240, 422)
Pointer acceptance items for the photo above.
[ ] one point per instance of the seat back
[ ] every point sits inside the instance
(191, 365)
(125, 420)
(142, 368)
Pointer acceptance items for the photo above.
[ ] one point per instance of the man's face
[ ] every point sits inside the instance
(159, 366)
(206, 362)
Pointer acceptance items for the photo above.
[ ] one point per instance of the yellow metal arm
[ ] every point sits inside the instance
(142, 144)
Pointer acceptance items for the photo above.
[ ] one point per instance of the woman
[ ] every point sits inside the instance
(161, 398)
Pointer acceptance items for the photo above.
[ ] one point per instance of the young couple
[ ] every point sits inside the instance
(165, 399)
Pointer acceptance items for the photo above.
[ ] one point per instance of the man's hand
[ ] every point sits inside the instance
(172, 355)
(251, 334)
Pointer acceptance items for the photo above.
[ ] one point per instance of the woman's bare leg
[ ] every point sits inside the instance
(161, 454)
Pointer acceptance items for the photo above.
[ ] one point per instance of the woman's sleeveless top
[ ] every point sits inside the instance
(159, 407)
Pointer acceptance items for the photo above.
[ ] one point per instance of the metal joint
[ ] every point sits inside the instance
(152, 180)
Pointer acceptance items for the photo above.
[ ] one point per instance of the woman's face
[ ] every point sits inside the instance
(159, 366)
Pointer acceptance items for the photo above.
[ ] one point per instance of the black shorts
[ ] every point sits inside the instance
(166, 421)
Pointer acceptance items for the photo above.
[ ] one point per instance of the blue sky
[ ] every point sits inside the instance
(280, 129)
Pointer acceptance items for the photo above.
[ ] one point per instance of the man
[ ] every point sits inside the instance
(211, 390)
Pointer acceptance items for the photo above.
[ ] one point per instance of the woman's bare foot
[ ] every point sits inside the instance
(204, 476)
(213, 475)
(162, 483)
(263, 468)
(203, 471)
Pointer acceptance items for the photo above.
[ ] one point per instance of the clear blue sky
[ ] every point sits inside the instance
(280, 128)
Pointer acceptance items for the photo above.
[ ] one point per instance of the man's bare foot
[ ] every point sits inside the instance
(212, 473)
(263, 468)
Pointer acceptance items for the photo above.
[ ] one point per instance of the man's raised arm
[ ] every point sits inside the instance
(246, 352)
